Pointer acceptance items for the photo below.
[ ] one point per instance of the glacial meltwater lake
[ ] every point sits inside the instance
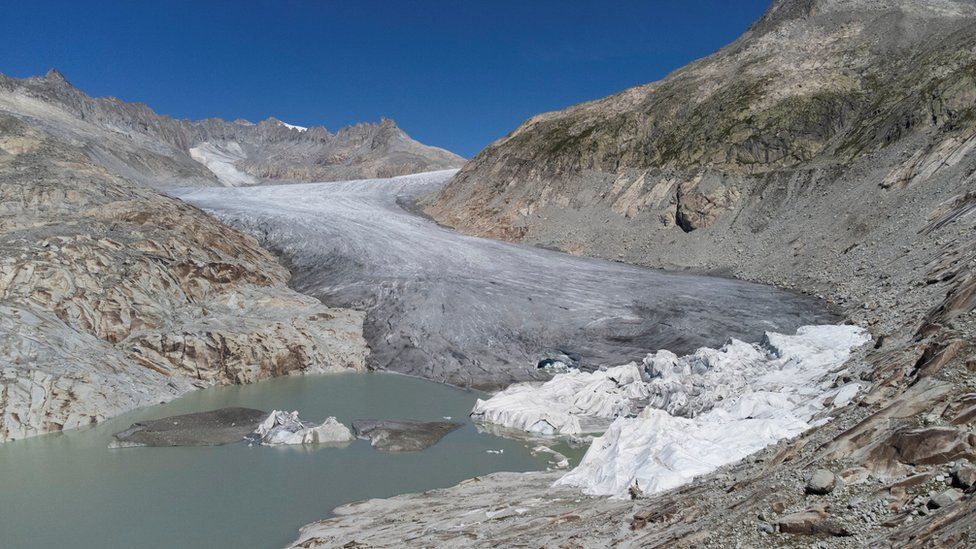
(70, 490)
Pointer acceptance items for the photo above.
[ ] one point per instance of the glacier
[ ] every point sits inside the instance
(696, 412)
(287, 428)
(481, 313)
(221, 159)
(573, 403)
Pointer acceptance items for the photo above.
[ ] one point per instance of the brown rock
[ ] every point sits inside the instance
(926, 446)
(966, 410)
(699, 204)
(936, 356)
(861, 441)
(959, 300)
(854, 476)
(912, 481)
(812, 522)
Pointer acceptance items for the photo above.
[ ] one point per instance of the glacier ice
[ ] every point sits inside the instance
(697, 412)
(569, 404)
(287, 428)
(221, 159)
(716, 407)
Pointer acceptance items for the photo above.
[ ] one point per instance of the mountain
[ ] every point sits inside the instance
(822, 89)
(830, 149)
(114, 296)
(132, 140)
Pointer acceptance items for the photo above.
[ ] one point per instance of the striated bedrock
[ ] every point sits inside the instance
(133, 141)
(115, 296)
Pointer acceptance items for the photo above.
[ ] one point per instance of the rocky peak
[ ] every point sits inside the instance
(781, 12)
(270, 149)
(54, 76)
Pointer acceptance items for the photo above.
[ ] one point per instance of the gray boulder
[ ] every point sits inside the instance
(944, 499)
(822, 482)
(964, 476)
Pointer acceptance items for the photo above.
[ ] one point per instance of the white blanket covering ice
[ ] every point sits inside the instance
(287, 428)
(569, 404)
(740, 399)
(703, 410)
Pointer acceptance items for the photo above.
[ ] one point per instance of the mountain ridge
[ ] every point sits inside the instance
(269, 149)
(830, 149)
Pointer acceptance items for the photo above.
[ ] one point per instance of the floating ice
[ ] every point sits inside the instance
(717, 406)
(287, 428)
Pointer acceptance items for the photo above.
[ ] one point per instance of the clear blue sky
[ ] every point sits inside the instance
(456, 74)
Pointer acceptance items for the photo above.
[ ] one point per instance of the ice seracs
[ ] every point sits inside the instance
(732, 402)
(675, 418)
(569, 404)
(287, 428)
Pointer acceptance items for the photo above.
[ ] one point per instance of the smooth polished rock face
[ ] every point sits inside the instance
(223, 426)
(402, 435)
(481, 313)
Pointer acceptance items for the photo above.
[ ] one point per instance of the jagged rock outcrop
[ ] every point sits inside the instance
(131, 140)
(113, 296)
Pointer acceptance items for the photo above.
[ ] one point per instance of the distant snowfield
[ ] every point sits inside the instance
(220, 160)
(701, 411)
(482, 313)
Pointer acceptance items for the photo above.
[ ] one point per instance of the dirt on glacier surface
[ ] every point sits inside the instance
(480, 313)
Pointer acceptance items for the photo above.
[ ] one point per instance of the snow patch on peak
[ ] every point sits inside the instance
(293, 127)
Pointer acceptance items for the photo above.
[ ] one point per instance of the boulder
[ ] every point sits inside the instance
(964, 477)
(936, 356)
(944, 499)
(812, 522)
(854, 475)
(923, 446)
(402, 435)
(821, 482)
